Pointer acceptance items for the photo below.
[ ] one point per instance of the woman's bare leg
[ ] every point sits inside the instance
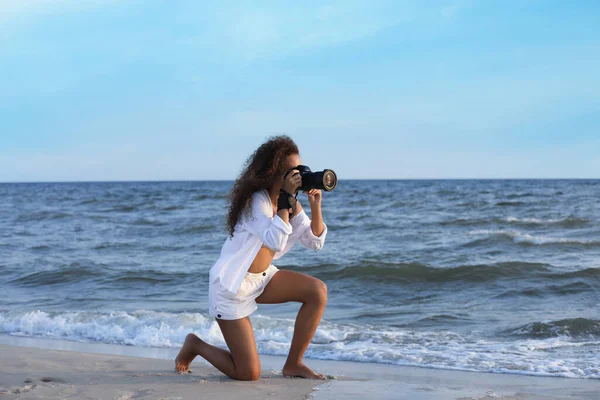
(312, 292)
(242, 362)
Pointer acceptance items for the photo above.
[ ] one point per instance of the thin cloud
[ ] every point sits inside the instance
(249, 33)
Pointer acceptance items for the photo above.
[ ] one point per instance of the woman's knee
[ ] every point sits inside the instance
(319, 292)
(250, 373)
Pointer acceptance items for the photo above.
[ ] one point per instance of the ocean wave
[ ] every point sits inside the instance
(210, 197)
(520, 195)
(410, 273)
(173, 208)
(567, 222)
(166, 247)
(65, 274)
(417, 272)
(528, 239)
(435, 320)
(571, 327)
(550, 290)
(39, 247)
(123, 208)
(472, 204)
(589, 274)
(466, 221)
(148, 222)
(510, 203)
(42, 215)
(115, 245)
(148, 276)
(141, 328)
(199, 228)
(89, 201)
(76, 273)
(345, 342)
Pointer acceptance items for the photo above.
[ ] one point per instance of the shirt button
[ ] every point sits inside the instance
(264, 274)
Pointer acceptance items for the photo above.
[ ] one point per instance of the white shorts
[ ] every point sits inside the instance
(223, 304)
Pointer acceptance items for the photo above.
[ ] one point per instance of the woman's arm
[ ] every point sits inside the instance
(311, 233)
(316, 225)
(284, 215)
(314, 198)
(272, 231)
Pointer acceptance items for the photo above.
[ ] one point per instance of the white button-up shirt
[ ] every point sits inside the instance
(258, 228)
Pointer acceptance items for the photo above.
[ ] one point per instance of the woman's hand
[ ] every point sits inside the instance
(292, 182)
(314, 196)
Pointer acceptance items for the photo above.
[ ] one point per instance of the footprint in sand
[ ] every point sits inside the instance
(153, 374)
(45, 379)
(30, 385)
(23, 389)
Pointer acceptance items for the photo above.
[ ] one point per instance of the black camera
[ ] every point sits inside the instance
(324, 180)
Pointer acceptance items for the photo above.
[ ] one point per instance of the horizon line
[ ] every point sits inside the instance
(346, 179)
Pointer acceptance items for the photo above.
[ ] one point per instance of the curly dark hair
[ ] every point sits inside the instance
(259, 172)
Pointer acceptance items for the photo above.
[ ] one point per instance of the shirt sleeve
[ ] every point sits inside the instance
(301, 224)
(271, 230)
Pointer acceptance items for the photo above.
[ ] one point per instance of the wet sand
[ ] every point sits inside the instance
(53, 369)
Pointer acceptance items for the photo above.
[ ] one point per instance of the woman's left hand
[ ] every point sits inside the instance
(314, 196)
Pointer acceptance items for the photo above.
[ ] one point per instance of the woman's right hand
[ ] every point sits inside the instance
(292, 182)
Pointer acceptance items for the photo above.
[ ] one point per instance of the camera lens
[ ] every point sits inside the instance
(329, 180)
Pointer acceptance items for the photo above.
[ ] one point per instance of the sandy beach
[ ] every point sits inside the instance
(54, 369)
(30, 373)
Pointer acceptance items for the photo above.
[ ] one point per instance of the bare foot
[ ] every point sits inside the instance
(187, 353)
(301, 371)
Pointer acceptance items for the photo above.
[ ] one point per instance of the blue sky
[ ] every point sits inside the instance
(156, 90)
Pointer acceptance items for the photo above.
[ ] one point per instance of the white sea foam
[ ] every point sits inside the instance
(533, 220)
(520, 237)
(557, 356)
(566, 221)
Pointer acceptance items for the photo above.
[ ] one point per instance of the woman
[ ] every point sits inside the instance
(262, 226)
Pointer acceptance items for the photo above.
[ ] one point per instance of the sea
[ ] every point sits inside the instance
(498, 276)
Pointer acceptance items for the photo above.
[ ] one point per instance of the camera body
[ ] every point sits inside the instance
(324, 180)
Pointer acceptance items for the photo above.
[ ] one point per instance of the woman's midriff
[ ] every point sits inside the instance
(262, 260)
(264, 257)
